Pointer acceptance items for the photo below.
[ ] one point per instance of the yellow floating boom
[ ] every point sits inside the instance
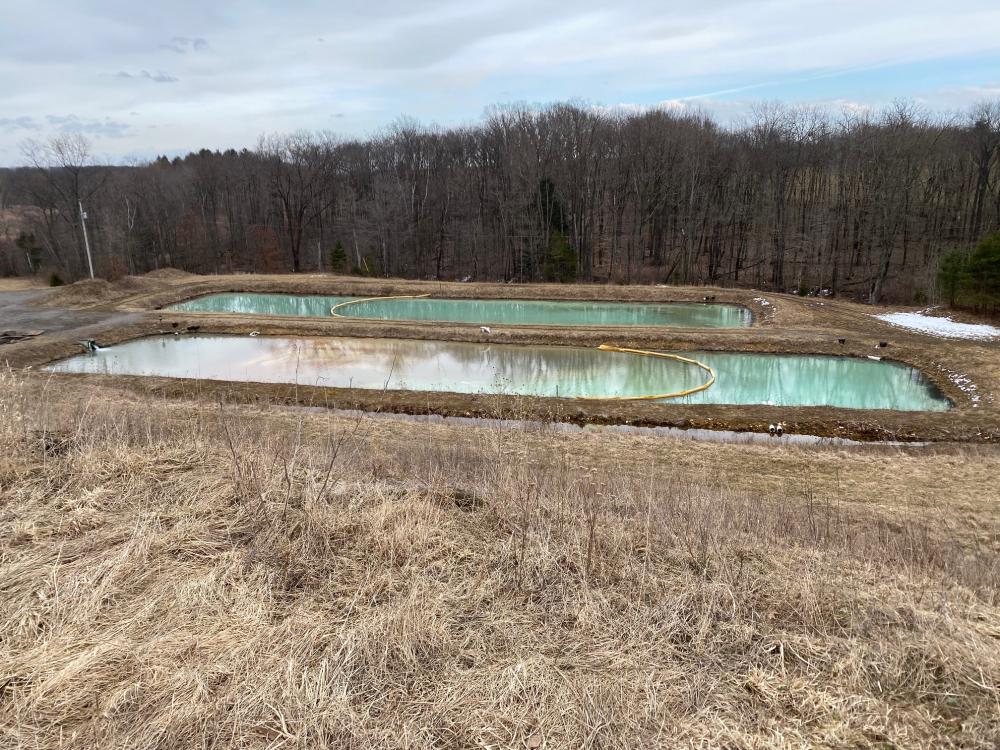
(334, 313)
(658, 396)
(603, 347)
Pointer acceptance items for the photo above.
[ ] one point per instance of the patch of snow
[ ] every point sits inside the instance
(943, 327)
(964, 383)
(761, 301)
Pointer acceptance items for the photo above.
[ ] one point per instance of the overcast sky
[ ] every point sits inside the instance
(142, 78)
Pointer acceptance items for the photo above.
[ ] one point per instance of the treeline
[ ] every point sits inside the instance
(864, 204)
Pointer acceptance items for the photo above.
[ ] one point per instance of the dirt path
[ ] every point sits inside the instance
(20, 311)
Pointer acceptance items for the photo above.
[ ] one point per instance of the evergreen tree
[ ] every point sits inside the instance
(560, 261)
(338, 257)
(983, 273)
(951, 275)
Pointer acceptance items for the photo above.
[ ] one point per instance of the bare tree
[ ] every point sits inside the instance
(62, 178)
(300, 174)
(866, 205)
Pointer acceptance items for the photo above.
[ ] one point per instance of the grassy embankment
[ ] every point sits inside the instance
(181, 574)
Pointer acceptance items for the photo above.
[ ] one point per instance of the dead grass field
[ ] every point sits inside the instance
(192, 564)
(178, 574)
(18, 284)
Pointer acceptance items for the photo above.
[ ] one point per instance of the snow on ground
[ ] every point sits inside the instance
(964, 383)
(943, 327)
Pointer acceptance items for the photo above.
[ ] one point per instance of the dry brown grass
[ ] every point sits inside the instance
(91, 292)
(20, 284)
(189, 576)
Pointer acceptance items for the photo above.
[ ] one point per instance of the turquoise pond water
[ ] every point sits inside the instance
(421, 365)
(481, 312)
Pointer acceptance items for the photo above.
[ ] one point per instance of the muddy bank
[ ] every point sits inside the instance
(763, 341)
(960, 425)
(819, 421)
(968, 373)
(20, 310)
(364, 287)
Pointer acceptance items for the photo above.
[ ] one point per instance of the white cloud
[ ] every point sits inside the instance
(184, 44)
(100, 128)
(157, 77)
(11, 124)
(236, 69)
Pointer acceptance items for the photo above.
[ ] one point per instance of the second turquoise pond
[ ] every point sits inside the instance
(480, 311)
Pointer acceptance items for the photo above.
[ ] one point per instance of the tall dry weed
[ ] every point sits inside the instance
(218, 578)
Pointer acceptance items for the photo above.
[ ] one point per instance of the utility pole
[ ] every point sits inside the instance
(86, 242)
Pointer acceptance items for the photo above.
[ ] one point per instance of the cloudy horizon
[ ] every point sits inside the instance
(170, 78)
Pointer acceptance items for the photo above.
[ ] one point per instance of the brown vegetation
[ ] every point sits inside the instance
(865, 204)
(90, 292)
(178, 575)
(18, 284)
(197, 564)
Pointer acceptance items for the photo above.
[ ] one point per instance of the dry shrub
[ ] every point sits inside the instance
(169, 273)
(87, 290)
(193, 580)
(115, 268)
(97, 291)
(134, 284)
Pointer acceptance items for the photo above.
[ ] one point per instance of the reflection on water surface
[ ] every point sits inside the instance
(411, 364)
(480, 312)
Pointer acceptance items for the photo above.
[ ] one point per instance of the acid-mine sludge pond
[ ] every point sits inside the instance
(477, 311)
(530, 370)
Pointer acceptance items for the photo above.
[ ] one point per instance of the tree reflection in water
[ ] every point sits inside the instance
(742, 378)
(480, 312)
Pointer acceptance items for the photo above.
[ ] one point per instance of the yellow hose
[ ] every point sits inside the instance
(334, 313)
(603, 347)
(656, 397)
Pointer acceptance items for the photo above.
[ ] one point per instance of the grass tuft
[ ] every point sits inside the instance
(228, 577)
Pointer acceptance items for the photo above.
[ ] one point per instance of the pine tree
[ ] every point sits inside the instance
(338, 258)
(983, 273)
(950, 275)
(560, 261)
